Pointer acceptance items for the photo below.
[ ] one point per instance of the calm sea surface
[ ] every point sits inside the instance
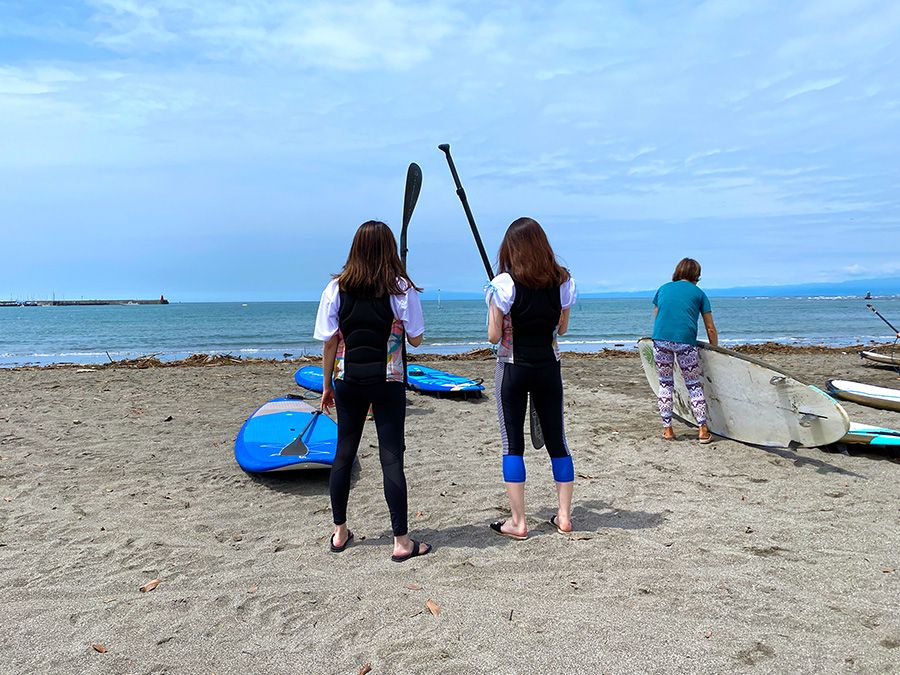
(42, 335)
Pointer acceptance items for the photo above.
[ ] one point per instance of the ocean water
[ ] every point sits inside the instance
(43, 335)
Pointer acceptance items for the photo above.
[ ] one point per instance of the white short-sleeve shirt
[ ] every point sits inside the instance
(408, 318)
(407, 309)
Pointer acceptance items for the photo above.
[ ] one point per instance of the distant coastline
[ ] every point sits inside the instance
(80, 303)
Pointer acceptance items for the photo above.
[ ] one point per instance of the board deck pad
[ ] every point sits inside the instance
(420, 378)
(271, 440)
(752, 402)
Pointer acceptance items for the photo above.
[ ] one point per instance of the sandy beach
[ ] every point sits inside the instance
(718, 558)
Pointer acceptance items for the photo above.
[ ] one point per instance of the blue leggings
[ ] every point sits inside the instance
(512, 384)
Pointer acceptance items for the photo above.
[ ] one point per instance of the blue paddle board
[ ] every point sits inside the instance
(310, 377)
(423, 378)
(286, 434)
(420, 378)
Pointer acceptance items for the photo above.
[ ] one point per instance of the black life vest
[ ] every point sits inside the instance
(365, 325)
(535, 316)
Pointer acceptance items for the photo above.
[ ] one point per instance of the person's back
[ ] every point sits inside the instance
(680, 304)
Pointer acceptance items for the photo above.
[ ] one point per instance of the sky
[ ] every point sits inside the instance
(228, 151)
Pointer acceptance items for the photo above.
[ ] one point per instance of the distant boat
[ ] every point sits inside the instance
(868, 295)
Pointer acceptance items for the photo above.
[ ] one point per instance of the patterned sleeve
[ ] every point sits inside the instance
(568, 294)
(408, 308)
(327, 316)
(501, 292)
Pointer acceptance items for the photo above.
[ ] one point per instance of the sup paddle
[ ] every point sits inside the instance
(410, 197)
(878, 314)
(537, 434)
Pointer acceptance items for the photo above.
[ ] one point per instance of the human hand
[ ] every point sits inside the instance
(327, 398)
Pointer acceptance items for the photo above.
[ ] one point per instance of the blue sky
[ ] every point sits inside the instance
(213, 150)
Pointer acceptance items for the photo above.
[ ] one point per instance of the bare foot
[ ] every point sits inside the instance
(507, 529)
(669, 433)
(340, 536)
(563, 524)
(403, 547)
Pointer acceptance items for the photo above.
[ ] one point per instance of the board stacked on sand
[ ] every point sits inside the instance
(891, 359)
(884, 398)
(423, 378)
(420, 378)
(286, 434)
(869, 435)
(752, 402)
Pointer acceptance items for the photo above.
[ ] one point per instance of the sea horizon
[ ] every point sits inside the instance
(283, 329)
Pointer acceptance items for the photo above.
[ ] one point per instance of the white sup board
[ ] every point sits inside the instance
(752, 402)
(877, 357)
(866, 394)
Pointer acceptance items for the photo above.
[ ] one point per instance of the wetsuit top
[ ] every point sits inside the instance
(530, 319)
(680, 304)
(370, 330)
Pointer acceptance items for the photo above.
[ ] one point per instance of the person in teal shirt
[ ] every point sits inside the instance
(676, 307)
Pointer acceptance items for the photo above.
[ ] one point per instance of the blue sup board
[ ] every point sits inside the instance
(310, 377)
(423, 378)
(420, 378)
(869, 435)
(286, 434)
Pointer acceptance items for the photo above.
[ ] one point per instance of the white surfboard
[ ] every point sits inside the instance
(866, 394)
(892, 359)
(752, 402)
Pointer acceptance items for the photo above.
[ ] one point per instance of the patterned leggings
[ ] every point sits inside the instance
(688, 357)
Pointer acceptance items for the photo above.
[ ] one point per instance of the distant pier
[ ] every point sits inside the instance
(80, 303)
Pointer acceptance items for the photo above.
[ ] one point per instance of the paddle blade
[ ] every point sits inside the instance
(537, 434)
(411, 194)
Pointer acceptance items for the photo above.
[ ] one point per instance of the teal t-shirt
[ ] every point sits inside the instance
(680, 304)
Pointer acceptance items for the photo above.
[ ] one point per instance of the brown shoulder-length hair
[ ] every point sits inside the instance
(373, 267)
(526, 255)
(687, 269)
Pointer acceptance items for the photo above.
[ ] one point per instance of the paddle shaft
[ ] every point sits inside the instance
(461, 193)
(537, 436)
(878, 314)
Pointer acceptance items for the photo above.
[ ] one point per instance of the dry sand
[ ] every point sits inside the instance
(687, 557)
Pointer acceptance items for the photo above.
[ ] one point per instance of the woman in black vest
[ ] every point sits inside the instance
(528, 305)
(364, 313)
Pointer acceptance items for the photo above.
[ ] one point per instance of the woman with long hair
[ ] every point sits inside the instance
(528, 306)
(363, 316)
(676, 307)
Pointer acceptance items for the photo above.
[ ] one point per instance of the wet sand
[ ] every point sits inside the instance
(722, 557)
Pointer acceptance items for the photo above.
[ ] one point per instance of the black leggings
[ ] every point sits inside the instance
(388, 401)
(512, 384)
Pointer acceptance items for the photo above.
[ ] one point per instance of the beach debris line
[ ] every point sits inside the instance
(150, 585)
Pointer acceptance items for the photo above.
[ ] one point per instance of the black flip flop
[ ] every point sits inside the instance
(497, 527)
(415, 553)
(553, 523)
(339, 549)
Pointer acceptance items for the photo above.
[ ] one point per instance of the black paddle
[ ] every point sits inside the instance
(410, 197)
(878, 314)
(537, 434)
(297, 447)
